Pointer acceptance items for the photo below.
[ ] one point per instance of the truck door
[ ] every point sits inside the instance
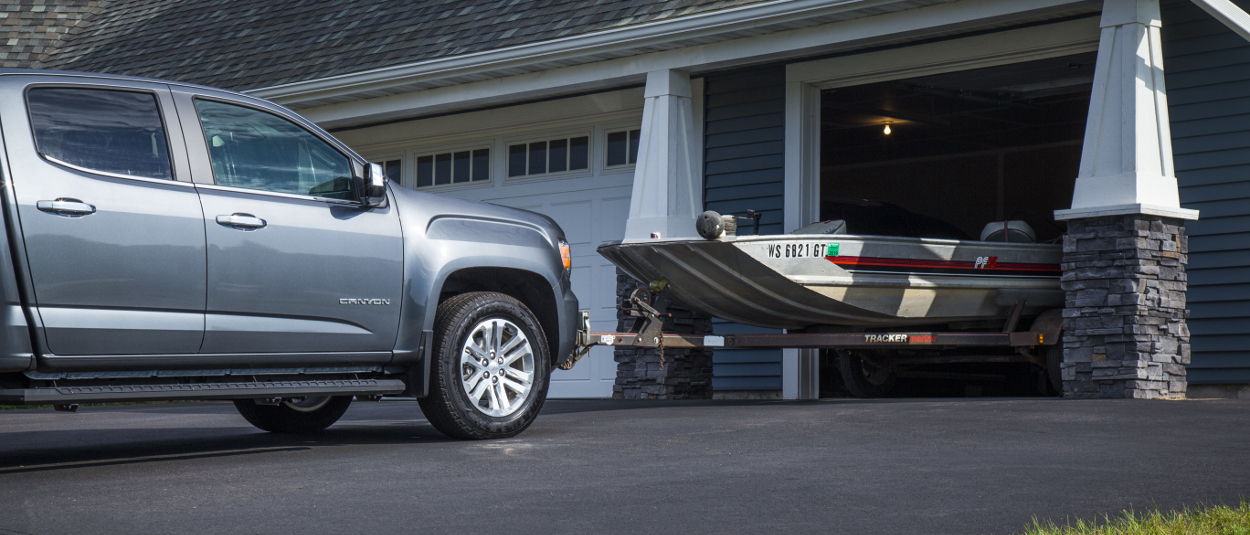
(112, 228)
(295, 263)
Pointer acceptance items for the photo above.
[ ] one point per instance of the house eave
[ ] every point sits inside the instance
(578, 49)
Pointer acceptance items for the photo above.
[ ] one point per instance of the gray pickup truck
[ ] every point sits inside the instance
(166, 241)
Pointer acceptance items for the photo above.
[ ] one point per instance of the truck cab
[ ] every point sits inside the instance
(170, 241)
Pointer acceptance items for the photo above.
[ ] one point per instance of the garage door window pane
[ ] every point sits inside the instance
(559, 160)
(117, 132)
(442, 169)
(460, 167)
(634, 137)
(258, 150)
(393, 170)
(538, 158)
(481, 165)
(617, 148)
(579, 153)
(425, 171)
(516, 160)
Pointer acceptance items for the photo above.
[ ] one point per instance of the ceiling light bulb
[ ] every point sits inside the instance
(887, 129)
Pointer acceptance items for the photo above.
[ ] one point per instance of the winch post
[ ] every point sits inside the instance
(650, 313)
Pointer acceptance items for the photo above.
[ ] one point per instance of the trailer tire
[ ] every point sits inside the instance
(1054, 358)
(459, 331)
(307, 415)
(862, 379)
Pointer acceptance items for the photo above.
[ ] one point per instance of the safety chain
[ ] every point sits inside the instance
(661, 348)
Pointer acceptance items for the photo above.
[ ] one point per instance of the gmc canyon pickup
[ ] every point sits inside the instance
(167, 241)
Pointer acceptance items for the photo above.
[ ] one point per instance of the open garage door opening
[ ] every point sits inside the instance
(959, 149)
(942, 156)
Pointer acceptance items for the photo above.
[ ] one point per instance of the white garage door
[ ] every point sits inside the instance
(589, 218)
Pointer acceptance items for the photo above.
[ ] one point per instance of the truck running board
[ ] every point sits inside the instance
(61, 395)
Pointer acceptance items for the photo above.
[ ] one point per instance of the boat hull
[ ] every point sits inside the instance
(797, 281)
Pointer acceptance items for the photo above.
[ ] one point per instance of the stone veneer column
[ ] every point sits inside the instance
(1125, 312)
(1124, 254)
(685, 373)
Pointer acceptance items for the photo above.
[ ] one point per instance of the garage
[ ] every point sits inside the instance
(964, 148)
(942, 156)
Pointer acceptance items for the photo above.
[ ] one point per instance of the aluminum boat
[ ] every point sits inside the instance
(797, 281)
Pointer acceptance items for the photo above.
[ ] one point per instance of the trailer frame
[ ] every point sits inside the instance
(1046, 330)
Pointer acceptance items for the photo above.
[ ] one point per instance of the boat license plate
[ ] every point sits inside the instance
(800, 250)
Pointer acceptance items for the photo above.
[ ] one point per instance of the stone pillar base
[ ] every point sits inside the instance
(682, 374)
(1124, 322)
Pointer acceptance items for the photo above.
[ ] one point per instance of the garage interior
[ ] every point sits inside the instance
(961, 150)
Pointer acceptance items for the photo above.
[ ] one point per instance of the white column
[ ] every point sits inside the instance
(1126, 161)
(800, 374)
(668, 179)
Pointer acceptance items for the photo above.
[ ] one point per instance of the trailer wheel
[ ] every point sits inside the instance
(297, 416)
(490, 368)
(864, 379)
(1054, 357)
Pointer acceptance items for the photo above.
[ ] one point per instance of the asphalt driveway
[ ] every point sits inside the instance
(833, 466)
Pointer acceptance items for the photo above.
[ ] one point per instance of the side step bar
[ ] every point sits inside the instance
(199, 391)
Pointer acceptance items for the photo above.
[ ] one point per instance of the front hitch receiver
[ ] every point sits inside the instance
(648, 330)
(583, 342)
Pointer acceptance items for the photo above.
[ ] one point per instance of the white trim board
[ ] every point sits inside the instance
(989, 50)
(912, 24)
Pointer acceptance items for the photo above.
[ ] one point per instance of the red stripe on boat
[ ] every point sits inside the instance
(953, 265)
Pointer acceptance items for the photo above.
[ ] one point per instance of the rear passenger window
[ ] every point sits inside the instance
(258, 150)
(118, 132)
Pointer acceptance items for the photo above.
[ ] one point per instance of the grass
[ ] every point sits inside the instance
(1206, 520)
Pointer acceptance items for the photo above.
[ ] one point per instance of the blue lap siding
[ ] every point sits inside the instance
(1208, 83)
(744, 154)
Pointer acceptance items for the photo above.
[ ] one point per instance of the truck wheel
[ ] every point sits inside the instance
(862, 378)
(300, 415)
(490, 367)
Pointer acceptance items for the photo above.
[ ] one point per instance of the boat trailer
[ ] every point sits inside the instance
(650, 312)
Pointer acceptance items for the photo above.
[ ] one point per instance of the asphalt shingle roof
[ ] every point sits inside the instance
(246, 44)
(31, 28)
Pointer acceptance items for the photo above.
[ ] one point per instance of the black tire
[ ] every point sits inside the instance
(448, 406)
(308, 415)
(1054, 357)
(862, 379)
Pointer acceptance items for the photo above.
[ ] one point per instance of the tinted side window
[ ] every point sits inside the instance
(104, 130)
(258, 150)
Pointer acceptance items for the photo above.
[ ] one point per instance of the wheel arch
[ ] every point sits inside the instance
(530, 288)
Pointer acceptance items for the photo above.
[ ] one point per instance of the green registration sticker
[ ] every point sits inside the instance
(832, 250)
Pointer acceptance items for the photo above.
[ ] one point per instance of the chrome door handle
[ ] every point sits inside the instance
(66, 206)
(241, 221)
